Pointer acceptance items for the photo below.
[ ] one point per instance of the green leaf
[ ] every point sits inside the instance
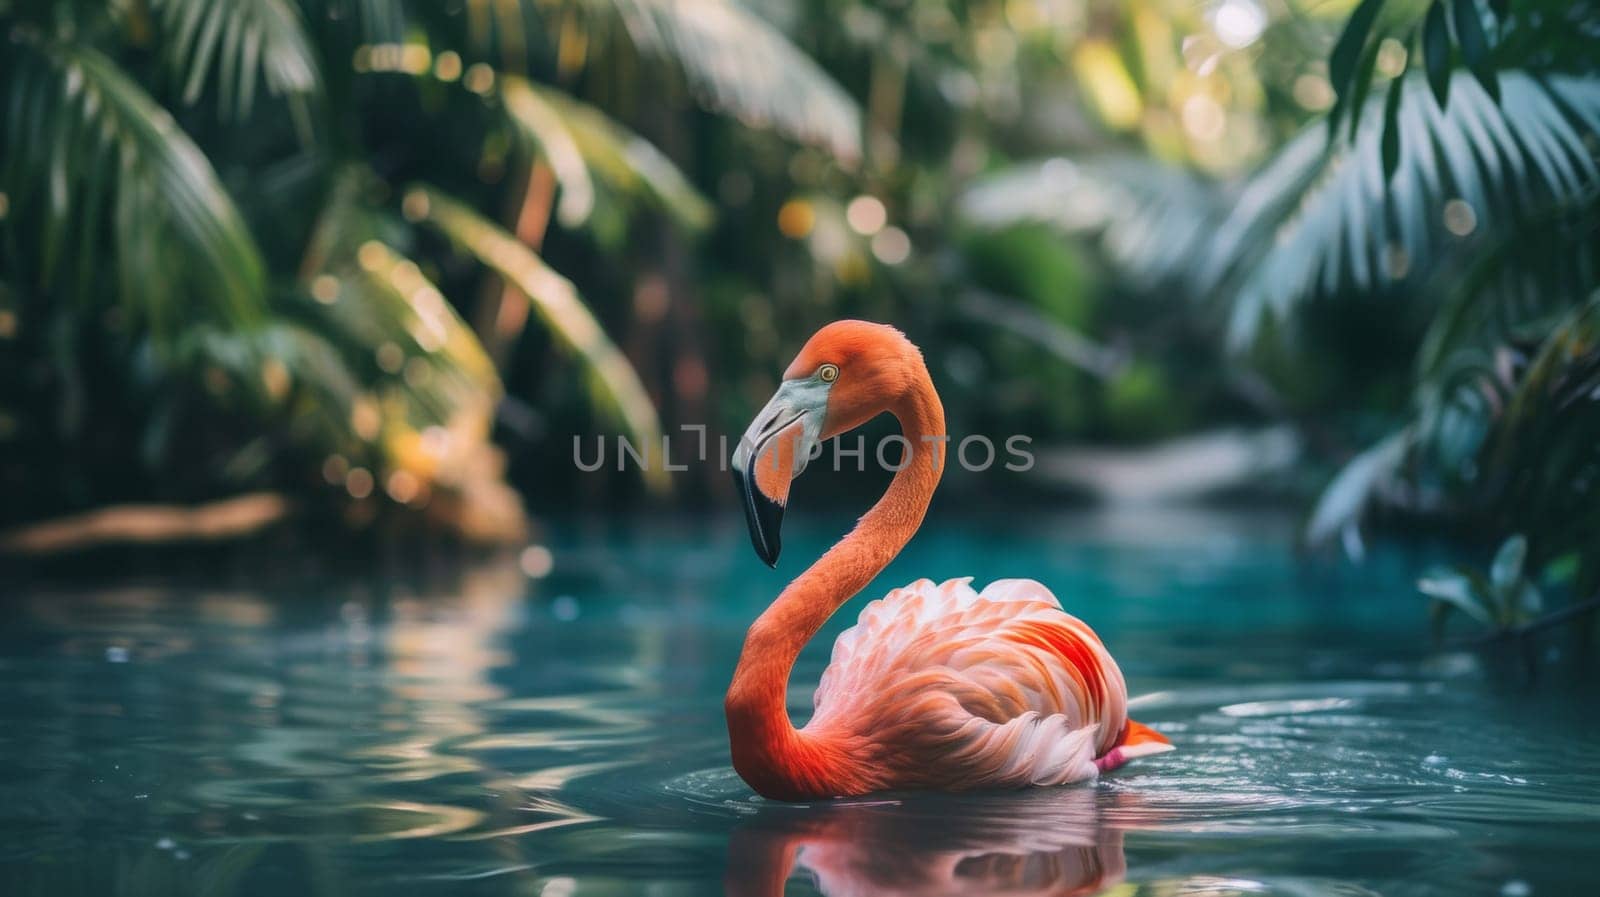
(1475, 45)
(1561, 571)
(1315, 221)
(733, 61)
(538, 121)
(1348, 51)
(1345, 499)
(1363, 85)
(1507, 567)
(1152, 219)
(1436, 51)
(1391, 129)
(1451, 590)
(557, 303)
(110, 155)
(1530, 601)
(583, 146)
(237, 42)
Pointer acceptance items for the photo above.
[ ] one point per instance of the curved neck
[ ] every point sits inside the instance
(767, 750)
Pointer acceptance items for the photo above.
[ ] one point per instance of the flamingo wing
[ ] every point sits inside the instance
(944, 686)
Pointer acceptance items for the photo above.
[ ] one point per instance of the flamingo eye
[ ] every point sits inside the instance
(828, 373)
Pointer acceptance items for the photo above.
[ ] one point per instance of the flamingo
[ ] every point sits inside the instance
(937, 687)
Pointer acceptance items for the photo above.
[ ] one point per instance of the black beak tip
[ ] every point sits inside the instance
(764, 517)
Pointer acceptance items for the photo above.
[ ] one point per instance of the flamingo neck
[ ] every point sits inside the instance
(768, 752)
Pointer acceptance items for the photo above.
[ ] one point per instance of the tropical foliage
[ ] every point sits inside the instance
(1453, 184)
(1504, 414)
(206, 214)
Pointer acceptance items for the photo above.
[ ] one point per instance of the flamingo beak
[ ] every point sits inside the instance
(772, 453)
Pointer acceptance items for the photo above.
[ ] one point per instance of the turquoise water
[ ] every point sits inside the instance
(484, 733)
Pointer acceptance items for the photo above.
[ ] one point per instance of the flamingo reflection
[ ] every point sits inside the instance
(1054, 842)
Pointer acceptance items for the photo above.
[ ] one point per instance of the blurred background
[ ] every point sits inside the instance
(356, 271)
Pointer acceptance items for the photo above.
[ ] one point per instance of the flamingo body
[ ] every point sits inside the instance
(941, 686)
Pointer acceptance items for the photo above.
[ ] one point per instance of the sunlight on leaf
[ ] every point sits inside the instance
(581, 145)
(559, 306)
(733, 62)
(1103, 77)
(540, 122)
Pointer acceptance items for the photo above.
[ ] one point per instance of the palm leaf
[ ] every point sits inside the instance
(85, 148)
(1509, 412)
(733, 61)
(378, 303)
(582, 145)
(237, 42)
(1340, 508)
(1348, 229)
(361, 374)
(386, 301)
(1152, 220)
(557, 303)
(738, 64)
(1515, 287)
(1502, 408)
(1350, 63)
(320, 392)
(1450, 589)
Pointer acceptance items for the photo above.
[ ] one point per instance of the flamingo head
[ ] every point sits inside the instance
(847, 373)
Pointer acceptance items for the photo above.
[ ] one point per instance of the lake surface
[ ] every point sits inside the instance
(488, 733)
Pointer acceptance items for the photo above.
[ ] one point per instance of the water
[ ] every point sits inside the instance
(487, 734)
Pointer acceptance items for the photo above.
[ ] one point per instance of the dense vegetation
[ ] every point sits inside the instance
(346, 248)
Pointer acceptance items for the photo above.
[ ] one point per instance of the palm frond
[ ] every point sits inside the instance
(582, 145)
(344, 223)
(387, 302)
(364, 373)
(1485, 36)
(1541, 455)
(557, 303)
(1345, 500)
(1152, 220)
(237, 42)
(1514, 289)
(1506, 379)
(733, 62)
(1473, 167)
(283, 368)
(740, 65)
(394, 325)
(88, 152)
